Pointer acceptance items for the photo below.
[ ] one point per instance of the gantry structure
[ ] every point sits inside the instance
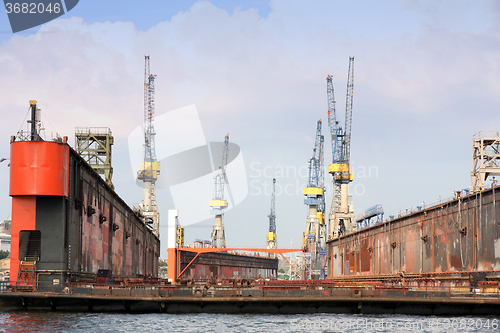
(485, 159)
(94, 146)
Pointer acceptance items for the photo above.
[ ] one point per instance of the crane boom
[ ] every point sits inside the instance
(221, 177)
(348, 111)
(333, 124)
(272, 214)
(149, 113)
(225, 152)
(314, 172)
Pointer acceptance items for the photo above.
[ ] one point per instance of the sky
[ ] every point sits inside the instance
(426, 79)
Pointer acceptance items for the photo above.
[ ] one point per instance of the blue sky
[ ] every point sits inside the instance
(427, 77)
(144, 14)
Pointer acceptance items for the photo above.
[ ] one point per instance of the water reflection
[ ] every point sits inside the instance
(42, 321)
(34, 321)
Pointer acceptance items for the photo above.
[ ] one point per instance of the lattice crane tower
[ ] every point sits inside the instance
(150, 168)
(341, 219)
(219, 204)
(272, 243)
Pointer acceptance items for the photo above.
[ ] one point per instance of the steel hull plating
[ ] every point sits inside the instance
(457, 236)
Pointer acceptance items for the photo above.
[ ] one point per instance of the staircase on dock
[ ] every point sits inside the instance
(27, 268)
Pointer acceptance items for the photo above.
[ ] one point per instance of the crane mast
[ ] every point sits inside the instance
(150, 167)
(341, 219)
(271, 236)
(219, 204)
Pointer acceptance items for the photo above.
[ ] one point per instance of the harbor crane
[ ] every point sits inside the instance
(271, 236)
(219, 204)
(150, 167)
(341, 219)
(314, 197)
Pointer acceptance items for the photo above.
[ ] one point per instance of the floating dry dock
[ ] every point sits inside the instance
(76, 245)
(271, 297)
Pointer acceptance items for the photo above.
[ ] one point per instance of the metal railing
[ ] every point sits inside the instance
(370, 212)
(93, 130)
(276, 289)
(416, 209)
(486, 134)
(424, 205)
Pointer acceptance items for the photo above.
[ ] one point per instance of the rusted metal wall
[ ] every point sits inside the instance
(209, 266)
(103, 232)
(456, 236)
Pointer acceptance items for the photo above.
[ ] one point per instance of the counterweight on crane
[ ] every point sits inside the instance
(150, 168)
(271, 236)
(219, 204)
(341, 217)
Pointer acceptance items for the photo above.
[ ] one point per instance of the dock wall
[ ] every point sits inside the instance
(268, 297)
(219, 265)
(67, 223)
(461, 235)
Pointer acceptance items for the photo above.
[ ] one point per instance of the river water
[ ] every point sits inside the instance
(43, 321)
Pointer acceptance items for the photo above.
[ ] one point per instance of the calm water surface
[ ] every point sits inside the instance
(38, 321)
